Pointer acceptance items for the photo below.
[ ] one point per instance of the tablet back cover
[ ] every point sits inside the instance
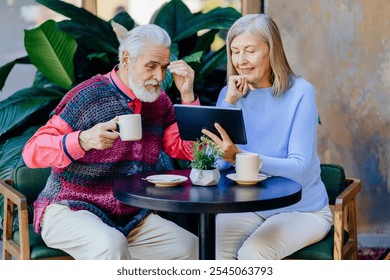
(191, 119)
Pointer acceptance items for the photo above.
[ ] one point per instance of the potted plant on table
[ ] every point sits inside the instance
(203, 170)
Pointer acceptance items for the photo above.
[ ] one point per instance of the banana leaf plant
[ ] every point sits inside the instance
(68, 52)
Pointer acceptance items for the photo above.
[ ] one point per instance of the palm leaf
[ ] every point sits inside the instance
(11, 152)
(6, 69)
(218, 18)
(17, 109)
(52, 52)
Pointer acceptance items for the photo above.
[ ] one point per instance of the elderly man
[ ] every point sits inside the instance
(77, 212)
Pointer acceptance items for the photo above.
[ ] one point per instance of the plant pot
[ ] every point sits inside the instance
(205, 177)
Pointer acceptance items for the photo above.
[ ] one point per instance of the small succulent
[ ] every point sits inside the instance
(205, 154)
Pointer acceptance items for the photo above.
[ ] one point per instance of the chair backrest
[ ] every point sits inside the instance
(333, 177)
(30, 182)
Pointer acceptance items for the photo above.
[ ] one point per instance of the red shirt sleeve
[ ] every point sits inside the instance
(174, 146)
(54, 144)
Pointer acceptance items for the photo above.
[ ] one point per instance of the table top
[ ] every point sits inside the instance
(226, 197)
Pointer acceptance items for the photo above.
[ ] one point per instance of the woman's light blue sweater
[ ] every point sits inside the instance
(283, 131)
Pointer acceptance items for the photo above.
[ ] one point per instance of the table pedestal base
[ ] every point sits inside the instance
(207, 236)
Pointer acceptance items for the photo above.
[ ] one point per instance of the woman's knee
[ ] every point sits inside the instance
(255, 250)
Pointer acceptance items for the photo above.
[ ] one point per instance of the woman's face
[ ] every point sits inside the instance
(250, 58)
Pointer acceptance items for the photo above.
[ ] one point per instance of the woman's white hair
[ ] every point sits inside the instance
(137, 39)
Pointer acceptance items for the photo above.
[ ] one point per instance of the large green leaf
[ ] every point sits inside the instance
(16, 110)
(11, 152)
(216, 59)
(172, 16)
(88, 38)
(6, 69)
(204, 42)
(51, 51)
(82, 16)
(218, 18)
(124, 19)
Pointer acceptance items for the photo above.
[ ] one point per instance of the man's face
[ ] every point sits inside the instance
(147, 72)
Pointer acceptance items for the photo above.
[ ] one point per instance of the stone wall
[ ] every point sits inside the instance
(343, 48)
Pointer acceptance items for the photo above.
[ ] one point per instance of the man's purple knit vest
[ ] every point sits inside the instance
(86, 183)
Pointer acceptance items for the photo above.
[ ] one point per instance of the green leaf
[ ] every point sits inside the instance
(216, 59)
(51, 51)
(16, 110)
(88, 38)
(11, 152)
(204, 42)
(6, 69)
(205, 153)
(82, 16)
(194, 57)
(124, 19)
(218, 18)
(172, 16)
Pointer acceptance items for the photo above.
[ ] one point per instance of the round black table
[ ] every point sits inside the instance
(226, 197)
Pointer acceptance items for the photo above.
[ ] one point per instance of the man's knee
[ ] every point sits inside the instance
(188, 247)
(110, 246)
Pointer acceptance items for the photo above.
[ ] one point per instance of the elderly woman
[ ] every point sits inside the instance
(77, 212)
(281, 121)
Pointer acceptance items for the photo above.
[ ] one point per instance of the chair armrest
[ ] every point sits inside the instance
(343, 199)
(345, 206)
(12, 194)
(12, 198)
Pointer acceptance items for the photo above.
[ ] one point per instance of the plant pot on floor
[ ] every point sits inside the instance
(203, 177)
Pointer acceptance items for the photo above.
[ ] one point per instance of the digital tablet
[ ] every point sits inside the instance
(191, 119)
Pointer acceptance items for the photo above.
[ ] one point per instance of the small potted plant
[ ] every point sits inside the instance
(204, 172)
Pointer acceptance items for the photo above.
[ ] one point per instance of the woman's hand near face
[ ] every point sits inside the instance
(225, 144)
(238, 87)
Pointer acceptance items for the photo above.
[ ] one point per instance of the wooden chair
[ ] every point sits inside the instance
(19, 239)
(341, 242)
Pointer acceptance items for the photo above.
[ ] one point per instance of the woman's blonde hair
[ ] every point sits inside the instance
(263, 27)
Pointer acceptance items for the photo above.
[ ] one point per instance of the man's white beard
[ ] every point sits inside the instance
(142, 93)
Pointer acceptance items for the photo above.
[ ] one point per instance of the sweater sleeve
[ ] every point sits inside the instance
(53, 145)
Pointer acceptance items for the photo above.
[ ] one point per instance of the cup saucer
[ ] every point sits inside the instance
(233, 176)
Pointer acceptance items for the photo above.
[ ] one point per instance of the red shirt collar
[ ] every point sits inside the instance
(132, 100)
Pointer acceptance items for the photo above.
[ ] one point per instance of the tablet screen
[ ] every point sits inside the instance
(191, 119)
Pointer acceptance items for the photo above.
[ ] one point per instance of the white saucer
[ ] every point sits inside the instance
(166, 180)
(233, 176)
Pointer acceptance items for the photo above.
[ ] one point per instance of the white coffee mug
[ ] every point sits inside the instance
(248, 165)
(130, 127)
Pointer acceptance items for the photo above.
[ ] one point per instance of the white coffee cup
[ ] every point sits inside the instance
(130, 127)
(248, 165)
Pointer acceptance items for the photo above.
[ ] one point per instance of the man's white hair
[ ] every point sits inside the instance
(140, 37)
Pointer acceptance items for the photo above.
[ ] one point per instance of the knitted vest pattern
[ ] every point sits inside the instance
(87, 183)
